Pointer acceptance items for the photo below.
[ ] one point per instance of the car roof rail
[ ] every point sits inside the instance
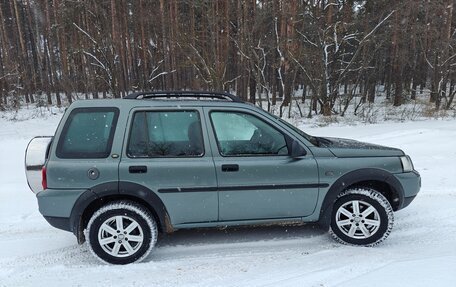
(184, 94)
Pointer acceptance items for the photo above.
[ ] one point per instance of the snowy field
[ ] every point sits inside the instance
(421, 251)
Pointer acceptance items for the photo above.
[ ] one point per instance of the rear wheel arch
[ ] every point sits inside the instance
(377, 179)
(92, 200)
(121, 232)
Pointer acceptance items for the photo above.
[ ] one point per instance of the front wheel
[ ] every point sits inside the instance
(121, 232)
(361, 217)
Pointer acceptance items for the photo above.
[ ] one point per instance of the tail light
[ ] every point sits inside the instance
(44, 178)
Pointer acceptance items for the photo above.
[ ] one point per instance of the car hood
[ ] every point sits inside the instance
(350, 148)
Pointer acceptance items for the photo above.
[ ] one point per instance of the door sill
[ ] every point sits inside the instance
(250, 222)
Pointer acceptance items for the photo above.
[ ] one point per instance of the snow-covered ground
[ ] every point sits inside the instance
(421, 251)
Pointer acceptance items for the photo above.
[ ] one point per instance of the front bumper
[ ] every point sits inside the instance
(407, 201)
(411, 184)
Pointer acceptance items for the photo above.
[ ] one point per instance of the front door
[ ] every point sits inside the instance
(167, 151)
(257, 179)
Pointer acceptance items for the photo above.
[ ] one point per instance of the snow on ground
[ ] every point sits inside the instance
(421, 250)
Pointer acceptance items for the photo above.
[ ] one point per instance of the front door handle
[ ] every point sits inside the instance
(230, 167)
(137, 169)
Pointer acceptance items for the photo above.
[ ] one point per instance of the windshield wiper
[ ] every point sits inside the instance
(314, 140)
(323, 141)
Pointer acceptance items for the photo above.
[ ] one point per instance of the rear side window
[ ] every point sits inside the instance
(166, 134)
(88, 133)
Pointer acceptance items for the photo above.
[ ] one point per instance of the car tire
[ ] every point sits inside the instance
(361, 216)
(121, 232)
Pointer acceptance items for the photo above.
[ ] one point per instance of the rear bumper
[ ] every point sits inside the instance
(59, 222)
(56, 206)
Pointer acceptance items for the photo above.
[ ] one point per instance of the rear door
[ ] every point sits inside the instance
(167, 151)
(86, 152)
(257, 179)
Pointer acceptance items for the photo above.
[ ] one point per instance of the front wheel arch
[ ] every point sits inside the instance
(371, 178)
(361, 217)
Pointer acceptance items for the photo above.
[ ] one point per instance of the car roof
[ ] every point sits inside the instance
(130, 103)
(183, 95)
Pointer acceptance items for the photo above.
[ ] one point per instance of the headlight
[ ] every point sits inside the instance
(407, 165)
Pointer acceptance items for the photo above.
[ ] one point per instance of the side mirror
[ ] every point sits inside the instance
(297, 150)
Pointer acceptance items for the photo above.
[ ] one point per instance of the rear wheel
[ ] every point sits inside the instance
(121, 232)
(361, 217)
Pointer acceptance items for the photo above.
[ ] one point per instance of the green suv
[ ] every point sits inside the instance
(118, 172)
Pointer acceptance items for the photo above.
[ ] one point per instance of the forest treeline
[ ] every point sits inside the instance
(275, 51)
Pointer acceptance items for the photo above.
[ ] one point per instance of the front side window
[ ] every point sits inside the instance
(166, 134)
(88, 133)
(241, 134)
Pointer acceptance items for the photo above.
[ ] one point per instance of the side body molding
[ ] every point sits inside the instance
(351, 179)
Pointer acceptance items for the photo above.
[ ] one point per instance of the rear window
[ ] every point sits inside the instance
(88, 133)
(166, 134)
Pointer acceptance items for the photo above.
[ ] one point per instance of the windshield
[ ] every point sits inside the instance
(300, 132)
(306, 136)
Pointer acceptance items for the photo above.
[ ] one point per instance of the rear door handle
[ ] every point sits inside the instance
(230, 167)
(137, 169)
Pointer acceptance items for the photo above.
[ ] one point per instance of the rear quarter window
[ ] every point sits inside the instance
(88, 133)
